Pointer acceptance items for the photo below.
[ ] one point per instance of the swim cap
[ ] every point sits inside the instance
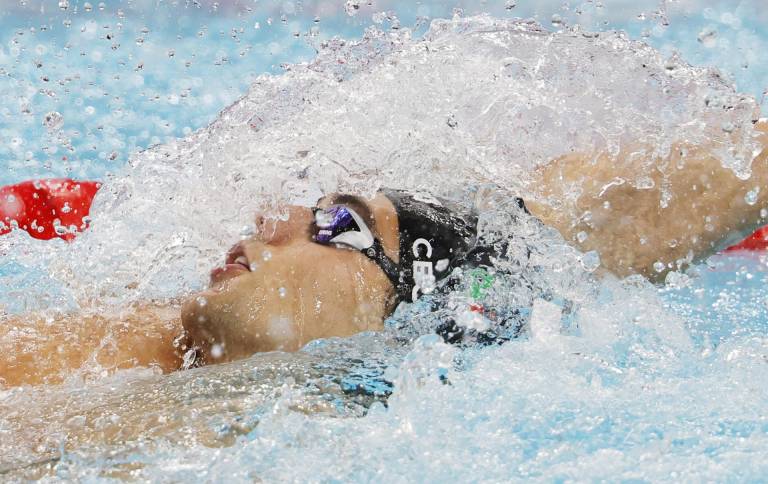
(433, 240)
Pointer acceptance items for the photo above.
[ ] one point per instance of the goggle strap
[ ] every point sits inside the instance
(393, 271)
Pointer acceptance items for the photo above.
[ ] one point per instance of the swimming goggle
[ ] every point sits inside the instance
(341, 226)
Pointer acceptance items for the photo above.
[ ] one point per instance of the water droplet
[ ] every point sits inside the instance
(677, 280)
(282, 291)
(201, 301)
(88, 7)
(53, 121)
(266, 255)
(102, 6)
(658, 266)
(171, 52)
(247, 231)
(644, 183)
(581, 237)
(63, 4)
(351, 7)
(257, 26)
(590, 261)
(708, 37)
(217, 351)
(751, 197)
(557, 20)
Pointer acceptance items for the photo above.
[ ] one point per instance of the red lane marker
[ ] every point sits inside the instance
(47, 209)
(757, 241)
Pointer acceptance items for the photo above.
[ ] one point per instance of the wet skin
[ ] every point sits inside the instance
(279, 290)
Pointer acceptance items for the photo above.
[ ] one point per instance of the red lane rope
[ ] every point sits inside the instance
(47, 209)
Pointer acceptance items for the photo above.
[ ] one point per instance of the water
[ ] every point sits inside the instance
(644, 383)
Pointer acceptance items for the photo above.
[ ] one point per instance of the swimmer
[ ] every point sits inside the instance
(343, 266)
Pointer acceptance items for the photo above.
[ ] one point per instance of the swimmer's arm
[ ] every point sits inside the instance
(706, 206)
(39, 348)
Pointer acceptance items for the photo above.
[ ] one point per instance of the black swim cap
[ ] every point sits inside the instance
(434, 238)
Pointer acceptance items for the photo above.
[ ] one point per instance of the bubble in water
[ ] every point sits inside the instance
(581, 237)
(63, 4)
(282, 291)
(266, 255)
(87, 7)
(763, 213)
(510, 4)
(728, 127)
(171, 52)
(658, 266)
(102, 6)
(66, 208)
(708, 37)
(201, 301)
(257, 26)
(253, 266)
(751, 197)
(351, 7)
(557, 20)
(53, 121)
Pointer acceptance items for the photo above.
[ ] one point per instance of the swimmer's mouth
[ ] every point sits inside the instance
(235, 263)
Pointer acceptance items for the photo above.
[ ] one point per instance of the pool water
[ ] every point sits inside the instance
(642, 383)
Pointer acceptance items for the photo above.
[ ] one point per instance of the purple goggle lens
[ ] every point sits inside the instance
(332, 222)
(341, 225)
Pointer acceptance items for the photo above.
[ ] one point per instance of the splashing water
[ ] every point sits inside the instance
(639, 386)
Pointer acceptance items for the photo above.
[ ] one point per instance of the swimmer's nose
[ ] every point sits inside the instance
(276, 231)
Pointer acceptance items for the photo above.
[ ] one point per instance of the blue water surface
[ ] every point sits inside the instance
(112, 78)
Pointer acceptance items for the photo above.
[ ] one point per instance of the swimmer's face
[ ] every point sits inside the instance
(279, 289)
